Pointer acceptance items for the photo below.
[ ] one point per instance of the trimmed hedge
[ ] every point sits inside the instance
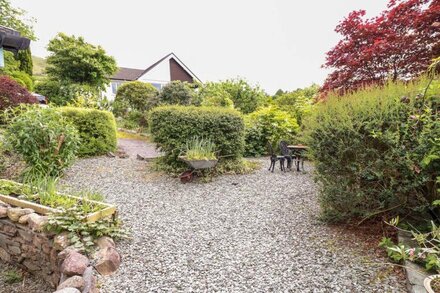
(97, 129)
(376, 151)
(172, 126)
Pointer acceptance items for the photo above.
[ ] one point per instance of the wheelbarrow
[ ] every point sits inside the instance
(195, 165)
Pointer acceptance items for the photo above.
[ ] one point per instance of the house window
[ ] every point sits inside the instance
(158, 86)
(115, 86)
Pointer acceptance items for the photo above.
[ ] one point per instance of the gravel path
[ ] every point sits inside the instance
(250, 233)
(134, 147)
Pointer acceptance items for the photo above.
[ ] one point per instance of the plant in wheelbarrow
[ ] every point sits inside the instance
(199, 154)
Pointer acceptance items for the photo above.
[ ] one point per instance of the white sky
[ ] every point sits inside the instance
(277, 44)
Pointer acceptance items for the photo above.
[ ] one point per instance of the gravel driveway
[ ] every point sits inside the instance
(249, 233)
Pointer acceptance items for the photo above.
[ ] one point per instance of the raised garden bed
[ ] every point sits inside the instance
(24, 196)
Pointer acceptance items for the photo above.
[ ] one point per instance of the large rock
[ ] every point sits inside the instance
(89, 281)
(61, 241)
(72, 282)
(3, 212)
(15, 213)
(23, 219)
(108, 261)
(74, 264)
(68, 290)
(36, 222)
(4, 255)
(3, 204)
(104, 242)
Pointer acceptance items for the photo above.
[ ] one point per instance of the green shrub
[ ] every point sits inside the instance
(376, 150)
(134, 96)
(268, 125)
(171, 126)
(45, 140)
(178, 93)
(24, 79)
(96, 128)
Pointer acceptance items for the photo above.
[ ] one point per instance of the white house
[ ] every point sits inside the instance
(167, 69)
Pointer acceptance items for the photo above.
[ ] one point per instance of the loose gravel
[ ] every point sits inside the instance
(248, 233)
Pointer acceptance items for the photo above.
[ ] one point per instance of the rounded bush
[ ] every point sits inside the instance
(13, 94)
(177, 93)
(24, 79)
(172, 126)
(97, 129)
(268, 125)
(45, 139)
(134, 96)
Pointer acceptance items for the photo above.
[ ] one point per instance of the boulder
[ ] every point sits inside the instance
(68, 290)
(89, 281)
(15, 213)
(61, 241)
(104, 242)
(3, 212)
(3, 204)
(4, 255)
(72, 282)
(36, 222)
(108, 261)
(74, 264)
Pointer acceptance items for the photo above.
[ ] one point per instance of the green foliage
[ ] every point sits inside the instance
(81, 234)
(25, 59)
(199, 149)
(97, 129)
(298, 103)
(246, 98)
(213, 94)
(46, 141)
(38, 66)
(134, 96)
(177, 93)
(268, 125)
(171, 126)
(372, 150)
(23, 79)
(74, 61)
(12, 277)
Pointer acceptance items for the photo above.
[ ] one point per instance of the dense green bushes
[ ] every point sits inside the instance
(97, 129)
(172, 126)
(376, 150)
(45, 140)
(268, 125)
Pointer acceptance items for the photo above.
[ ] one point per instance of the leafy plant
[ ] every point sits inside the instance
(177, 93)
(268, 125)
(134, 96)
(13, 94)
(199, 149)
(46, 141)
(82, 234)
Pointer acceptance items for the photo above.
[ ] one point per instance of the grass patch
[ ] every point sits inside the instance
(134, 136)
(12, 277)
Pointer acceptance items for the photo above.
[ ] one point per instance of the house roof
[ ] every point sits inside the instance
(130, 74)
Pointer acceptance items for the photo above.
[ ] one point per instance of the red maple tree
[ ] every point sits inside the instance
(400, 43)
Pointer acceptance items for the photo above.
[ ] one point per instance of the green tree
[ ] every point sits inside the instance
(178, 93)
(135, 96)
(298, 103)
(25, 59)
(214, 94)
(246, 98)
(73, 60)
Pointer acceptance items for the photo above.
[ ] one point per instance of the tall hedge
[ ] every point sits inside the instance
(376, 151)
(97, 129)
(172, 126)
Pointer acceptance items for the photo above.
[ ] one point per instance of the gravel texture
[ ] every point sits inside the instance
(248, 233)
(29, 283)
(134, 147)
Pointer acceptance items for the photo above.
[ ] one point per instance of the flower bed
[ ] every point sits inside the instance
(25, 196)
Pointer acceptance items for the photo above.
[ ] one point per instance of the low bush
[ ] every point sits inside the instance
(376, 150)
(178, 93)
(97, 129)
(23, 79)
(134, 96)
(13, 94)
(172, 126)
(46, 140)
(268, 125)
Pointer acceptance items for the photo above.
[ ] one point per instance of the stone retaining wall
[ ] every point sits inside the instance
(49, 256)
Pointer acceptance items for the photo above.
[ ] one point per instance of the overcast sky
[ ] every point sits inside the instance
(277, 44)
